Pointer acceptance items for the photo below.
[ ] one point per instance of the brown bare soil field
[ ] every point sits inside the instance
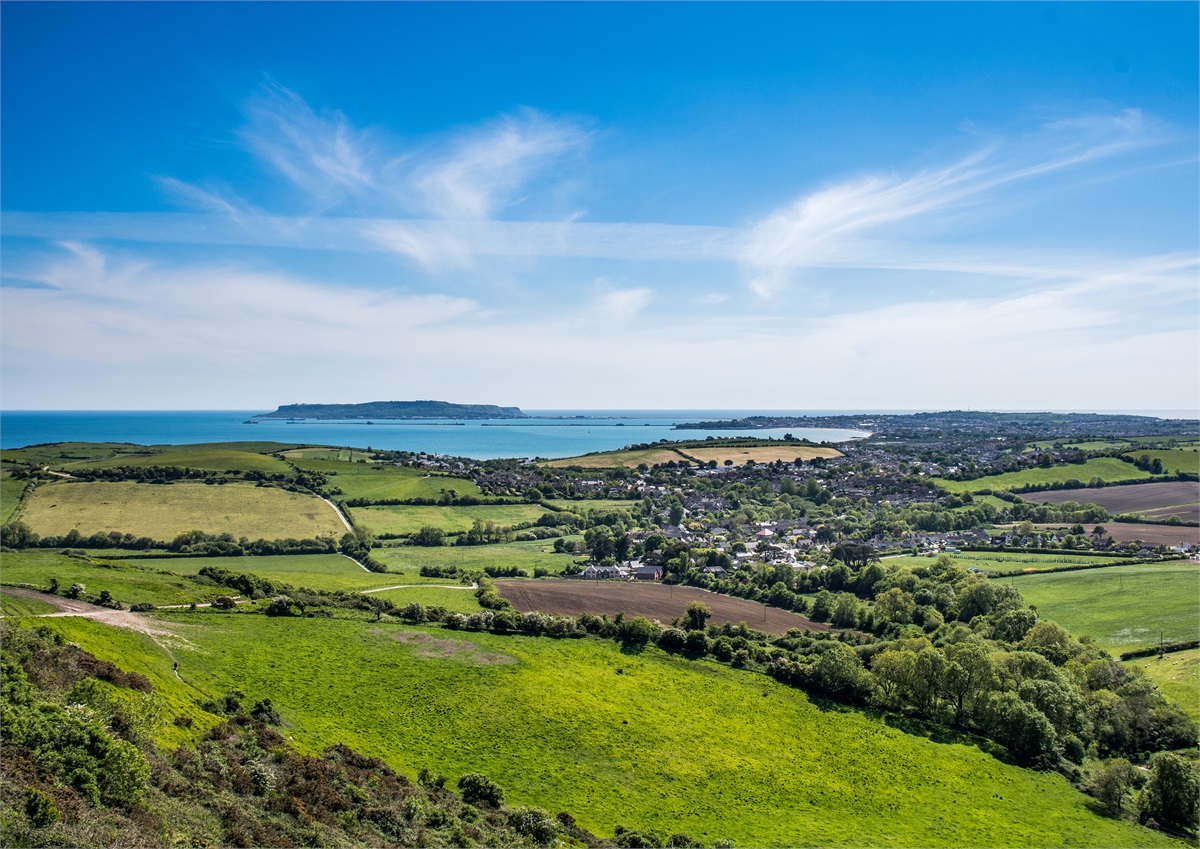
(767, 454)
(1156, 500)
(1149, 534)
(571, 597)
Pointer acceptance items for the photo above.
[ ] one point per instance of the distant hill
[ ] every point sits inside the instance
(395, 410)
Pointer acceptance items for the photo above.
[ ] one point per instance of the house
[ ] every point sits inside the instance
(647, 573)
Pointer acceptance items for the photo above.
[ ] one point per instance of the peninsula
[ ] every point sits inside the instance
(395, 410)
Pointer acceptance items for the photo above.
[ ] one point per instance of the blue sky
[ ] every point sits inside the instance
(781, 205)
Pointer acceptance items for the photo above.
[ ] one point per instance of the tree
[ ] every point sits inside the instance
(696, 616)
(895, 605)
(845, 611)
(1108, 782)
(430, 536)
(1170, 797)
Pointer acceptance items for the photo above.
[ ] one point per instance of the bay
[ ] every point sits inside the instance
(549, 434)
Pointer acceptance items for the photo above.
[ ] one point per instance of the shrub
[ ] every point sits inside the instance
(478, 789)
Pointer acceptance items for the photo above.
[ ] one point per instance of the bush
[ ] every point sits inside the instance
(478, 789)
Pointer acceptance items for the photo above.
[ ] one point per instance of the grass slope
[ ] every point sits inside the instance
(1178, 676)
(1174, 461)
(1123, 607)
(314, 571)
(128, 583)
(407, 519)
(1108, 469)
(217, 458)
(1011, 561)
(10, 496)
(379, 481)
(473, 558)
(669, 744)
(161, 512)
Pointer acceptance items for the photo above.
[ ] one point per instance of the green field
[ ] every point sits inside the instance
(379, 481)
(128, 583)
(10, 496)
(215, 458)
(459, 601)
(17, 607)
(670, 744)
(1178, 460)
(473, 558)
(586, 505)
(1108, 469)
(628, 459)
(1010, 561)
(161, 512)
(312, 571)
(406, 519)
(1123, 607)
(1178, 676)
(56, 453)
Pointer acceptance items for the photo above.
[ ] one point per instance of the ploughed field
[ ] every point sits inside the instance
(654, 601)
(1153, 500)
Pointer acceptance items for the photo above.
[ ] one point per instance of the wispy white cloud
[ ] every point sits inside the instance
(829, 228)
(619, 306)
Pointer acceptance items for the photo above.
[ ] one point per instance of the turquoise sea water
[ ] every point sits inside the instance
(552, 433)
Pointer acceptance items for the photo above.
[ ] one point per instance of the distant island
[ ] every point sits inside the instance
(395, 410)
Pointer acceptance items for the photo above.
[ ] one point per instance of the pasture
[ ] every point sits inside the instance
(129, 583)
(16, 607)
(1151, 535)
(669, 744)
(472, 558)
(216, 457)
(586, 505)
(1122, 607)
(571, 597)
(381, 481)
(1108, 469)
(1178, 676)
(163, 511)
(1174, 460)
(456, 600)
(312, 571)
(408, 519)
(10, 496)
(616, 459)
(1010, 561)
(761, 454)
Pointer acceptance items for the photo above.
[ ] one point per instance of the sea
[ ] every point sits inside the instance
(547, 434)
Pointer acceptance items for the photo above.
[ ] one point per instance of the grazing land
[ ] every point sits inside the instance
(739, 456)
(472, 558)
(1180, 498)
(17, 606)
(381, 481)
(10, 496)
(1178, 675)
(617, 459)
(1174, 461)
(406, 519)
(128, 583)
(584, 506)
(215, 458)
(571, 597)
(161, 512)
(555, 725)
(312, 571)
(1108, 469)
(1124, 607)
(1011, 561)
(430, 595)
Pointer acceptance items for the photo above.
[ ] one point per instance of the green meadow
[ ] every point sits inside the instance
(313, 571)
(586, 505)
(1123, 607)
(215, 458)
(640, 739)
(1108, 469)
(459, 601)
(1010, 561)
(383, 481)
(129, 583)
(14, 607)
(408, 519)
(163, 511)
(1178, 676)
(1174, 461)
(473, 558)
(10, 496)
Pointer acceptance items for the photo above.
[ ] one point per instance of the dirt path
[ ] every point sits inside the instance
(418, 586)
(345, 521)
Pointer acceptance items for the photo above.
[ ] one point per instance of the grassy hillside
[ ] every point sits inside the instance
(1108, 469)
(161, 512)
(378, 481)
(1123, 607)
(407, 519)
(1010, 561)
(216, 458)
(127, 582)
(664, 743)
(1174, 461)
(473, 558)
(1178, 676)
